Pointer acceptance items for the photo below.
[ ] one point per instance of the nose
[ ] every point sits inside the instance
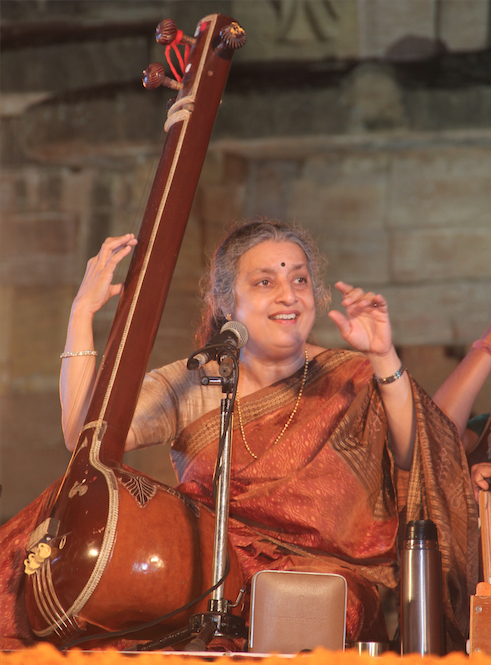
(285, 293)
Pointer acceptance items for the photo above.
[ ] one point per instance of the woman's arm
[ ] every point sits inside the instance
(456, 396)
(366, 327)
(78, 373)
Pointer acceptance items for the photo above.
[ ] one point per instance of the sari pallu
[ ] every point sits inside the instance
(323, 498)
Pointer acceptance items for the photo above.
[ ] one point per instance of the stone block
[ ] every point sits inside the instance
(7, 304)
(472, 324)
(50, 190)
(99, 230)
(213, 168)
(37, 337)
(435, 313)
(282, 113)
(384, 23)
(7, 192)
(61, 130)
(220, 205)
(235, 169)
(341, 189)
(464, 24)
(441, 186)
(24, 475)
(430, 365)
(31, 420)
(441, 254)
(26, 182)
(38, 248)
(269, 188)
(439, 109)
(356, 257)
(39, 233)
(374, 99)
(326, 334)
(300, 29)
(191, 260)
(73, 65)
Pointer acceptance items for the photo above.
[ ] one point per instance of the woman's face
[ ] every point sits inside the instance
(275, 299)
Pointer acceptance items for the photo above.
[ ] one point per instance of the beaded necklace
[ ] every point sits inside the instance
(285, 426)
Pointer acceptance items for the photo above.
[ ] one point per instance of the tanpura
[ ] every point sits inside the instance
(119, 549)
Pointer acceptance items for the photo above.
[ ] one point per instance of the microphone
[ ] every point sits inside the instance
(233, 335)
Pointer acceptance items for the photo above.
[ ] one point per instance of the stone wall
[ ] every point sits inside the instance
(332, 118)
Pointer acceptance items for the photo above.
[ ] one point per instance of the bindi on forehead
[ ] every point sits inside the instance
(283, 264)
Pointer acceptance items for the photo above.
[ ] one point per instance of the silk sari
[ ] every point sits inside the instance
(327, 496)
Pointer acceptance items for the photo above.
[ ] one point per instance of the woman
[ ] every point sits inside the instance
(456, 397)
(320, 436)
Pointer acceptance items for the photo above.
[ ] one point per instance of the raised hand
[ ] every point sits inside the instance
(78, 373)
(366, 325)
(97, 288)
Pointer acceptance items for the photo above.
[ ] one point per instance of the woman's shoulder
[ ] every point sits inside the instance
(177, 374)
(327, 356)
(341, 365)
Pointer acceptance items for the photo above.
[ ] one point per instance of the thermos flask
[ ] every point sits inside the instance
(421, 590)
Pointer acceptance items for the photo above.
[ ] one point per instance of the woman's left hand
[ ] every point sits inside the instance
(366, 325)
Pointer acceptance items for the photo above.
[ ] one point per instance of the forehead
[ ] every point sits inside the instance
(269, 255)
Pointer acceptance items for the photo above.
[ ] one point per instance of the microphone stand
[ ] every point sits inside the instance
(218, 621)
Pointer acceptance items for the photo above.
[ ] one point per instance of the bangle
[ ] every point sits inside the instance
(482, 345)
(72, 354)
(392, 377)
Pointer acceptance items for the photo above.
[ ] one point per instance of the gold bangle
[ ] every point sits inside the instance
(73, 354)
(392, 377)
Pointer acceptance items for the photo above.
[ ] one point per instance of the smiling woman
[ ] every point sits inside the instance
(324, 442)
(314, 467)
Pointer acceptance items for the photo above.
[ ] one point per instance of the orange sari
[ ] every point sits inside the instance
(324, 498)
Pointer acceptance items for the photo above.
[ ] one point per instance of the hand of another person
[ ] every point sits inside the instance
(366, 325)
(97, 288)
(479, 474)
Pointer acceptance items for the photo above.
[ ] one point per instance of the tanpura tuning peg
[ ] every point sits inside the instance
(166, 32)
(233, 36)
(154, 75)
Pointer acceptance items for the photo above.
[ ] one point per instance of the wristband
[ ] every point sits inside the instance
(390, 379)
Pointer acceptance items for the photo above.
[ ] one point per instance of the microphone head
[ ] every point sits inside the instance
(239, 330)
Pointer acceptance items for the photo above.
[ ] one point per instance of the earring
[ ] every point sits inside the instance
(228, 317)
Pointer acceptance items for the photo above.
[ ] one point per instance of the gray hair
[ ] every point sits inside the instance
(218, 284)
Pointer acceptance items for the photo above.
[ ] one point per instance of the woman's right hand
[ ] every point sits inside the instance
(481, 477)
(78, 374)
(97, 288)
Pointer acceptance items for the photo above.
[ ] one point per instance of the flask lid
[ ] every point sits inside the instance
(421, 530)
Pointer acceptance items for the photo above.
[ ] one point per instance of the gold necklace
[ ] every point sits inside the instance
(285, 426)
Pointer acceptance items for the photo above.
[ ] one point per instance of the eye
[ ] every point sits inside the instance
(264, 282)
(300, 280)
